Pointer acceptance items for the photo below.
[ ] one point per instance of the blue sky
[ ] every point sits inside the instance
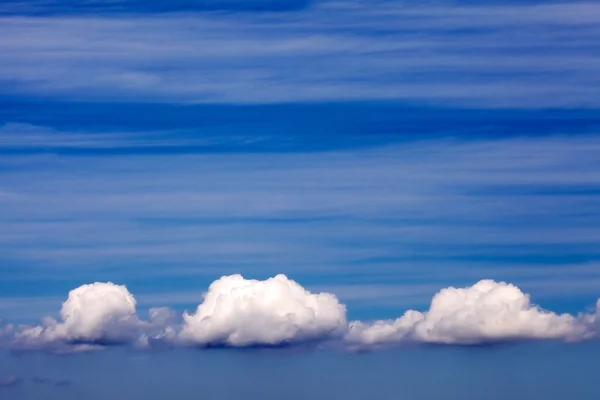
(380, 151)
(384, 220)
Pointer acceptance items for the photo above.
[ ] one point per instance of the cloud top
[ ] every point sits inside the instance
(239, 312)
(276, 311)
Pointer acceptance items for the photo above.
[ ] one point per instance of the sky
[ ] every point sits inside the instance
(300, 199)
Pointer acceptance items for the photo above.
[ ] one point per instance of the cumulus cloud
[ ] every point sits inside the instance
(276, 311)
(93, 315)
(488, 311)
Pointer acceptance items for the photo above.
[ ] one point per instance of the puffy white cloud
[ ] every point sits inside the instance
(235, 312)
(276, 311)
(93, 314)
(488, 311)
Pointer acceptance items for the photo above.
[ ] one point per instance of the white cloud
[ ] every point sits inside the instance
(488, 311)
(93, 314)
(241, 312)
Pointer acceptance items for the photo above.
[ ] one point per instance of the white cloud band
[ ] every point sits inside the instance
(239, 312)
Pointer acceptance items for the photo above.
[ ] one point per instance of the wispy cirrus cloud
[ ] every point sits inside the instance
(517, 55)
(409, 214)
(24, 138)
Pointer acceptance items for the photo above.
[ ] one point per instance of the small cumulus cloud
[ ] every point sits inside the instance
(93, 314)
(239, 312)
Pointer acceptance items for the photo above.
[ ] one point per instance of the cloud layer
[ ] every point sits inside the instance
(239, 312)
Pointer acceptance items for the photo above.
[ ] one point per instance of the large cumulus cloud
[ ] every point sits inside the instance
(488, 311)
(242, 312)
